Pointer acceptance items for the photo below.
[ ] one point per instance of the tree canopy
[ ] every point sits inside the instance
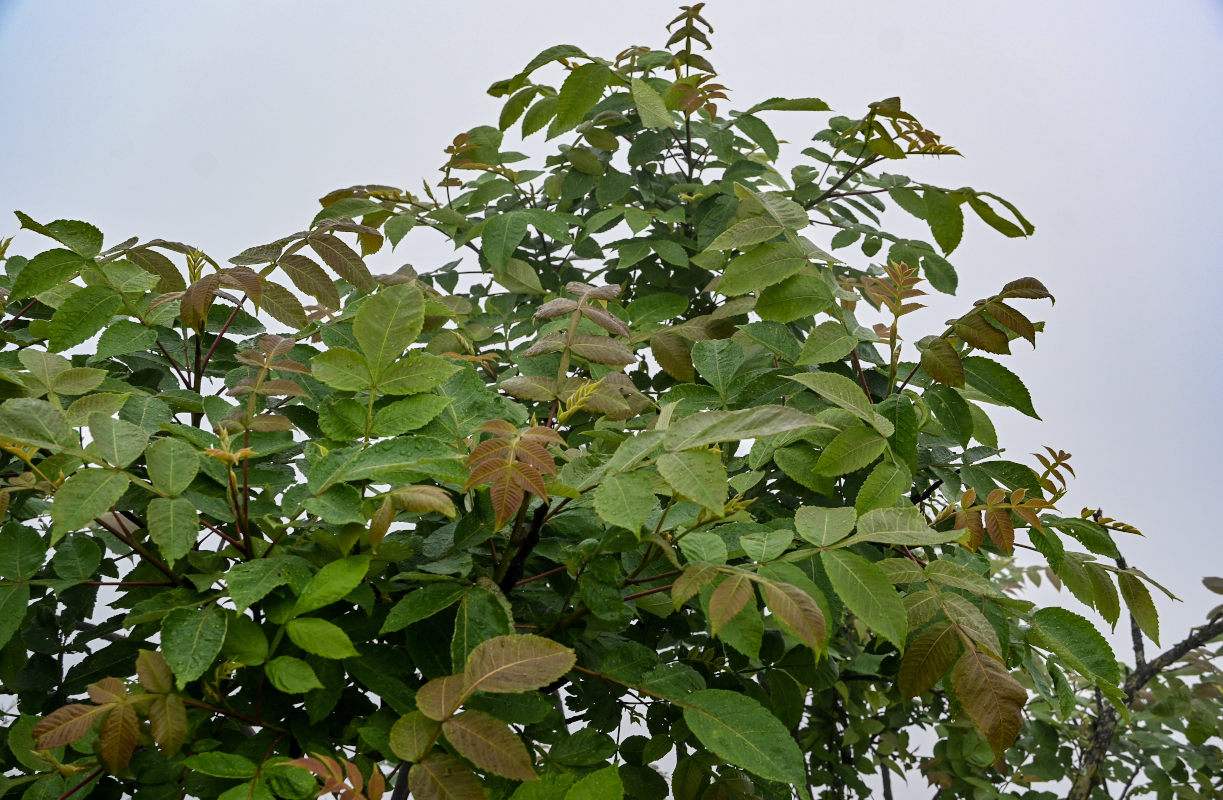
(655, 472)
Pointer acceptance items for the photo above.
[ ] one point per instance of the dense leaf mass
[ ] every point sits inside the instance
(653, 486)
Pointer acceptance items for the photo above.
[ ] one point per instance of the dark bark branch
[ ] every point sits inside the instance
(514, 566)
(1105, 726)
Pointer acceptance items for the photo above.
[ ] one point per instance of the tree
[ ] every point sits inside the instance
(638, 456)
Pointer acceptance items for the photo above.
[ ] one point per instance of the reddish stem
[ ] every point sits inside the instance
(8, 325)
(91, 776)
(655, 590)
(552, 571)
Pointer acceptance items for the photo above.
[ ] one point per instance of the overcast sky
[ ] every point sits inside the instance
(220, 123)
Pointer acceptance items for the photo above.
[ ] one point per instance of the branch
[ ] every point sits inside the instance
(513, 567)
(1105, 726)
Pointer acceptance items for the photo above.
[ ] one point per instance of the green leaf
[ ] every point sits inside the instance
(116, 442)
(952, 412)
(582, 89)
(500, 236)
(711, 427)
(842, 392)
(626, 500)
(926, 661)
(824, 526)
(408, 414)
(77, 558)
(23, 554)
(413, 735)
(81, 237)
(851, 450)
(191, 640)
(250, 581)
(740, 731)
(387, 323)
(1077, 642)
(903, 525)
(481, 616)
(717, 361)
(339, 505)
(702, 546)
(698, 475)
(331, 583)
(81, 316)
(759, 132)
(998, 383)
(14, 602)
(790, 104)
(650, 106)
(603, 784)
(766, 545)
(941, 361)
(320, 637)
(760, 267)
(122, 337)
(78, 380)
(886, 484)
(945, 218)
(342, 368)
(86, 494)
(747, 232)
(797, 297)
(172, 464)
(419, 372)
(392, 455)
(24, 420)
(866, 591)
(47, 271)
(292, 675)
(221, 765)
(174, 526)
(1138, 600)
(517, 663)
(421, 604)
(829, 341)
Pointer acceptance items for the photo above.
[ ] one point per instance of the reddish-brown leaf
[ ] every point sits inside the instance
(927, 659)
(107, 690)
(118, 737)
(691, 581)
(673, 354)
(993, 699)
(798, 610)
(606, 320)
(346, 263)
(168, 723)
(310, 278)
(728, 599)
(197, 299)
(554, 308)
(63, 726)
(1001, 528)
(1029, 288)
(1012, 319)
(440, 697)
(154, 672)
(516, 663)
(977, 331)
(489, 743)
(443, 777)
(424, 498)
(602, 350)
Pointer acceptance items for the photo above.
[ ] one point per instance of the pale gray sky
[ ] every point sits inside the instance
(220, 123)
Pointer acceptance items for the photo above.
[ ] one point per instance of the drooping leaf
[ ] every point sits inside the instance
(14, 602)
(739, 730)
(501, 235)
(118, 737)
(945, 218)
(728, 599)
(578, 94)
(482, 615)
(999, 383)
(927, 659)
(883, 487)
(341, 258)
(1138, 599)
(67, 724)
(941, 361)
(798, 610)
(993, 699)
(867, 592)
(1078, 642)
(412, 734)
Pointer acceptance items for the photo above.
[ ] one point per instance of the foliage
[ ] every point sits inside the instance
(656, 455)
